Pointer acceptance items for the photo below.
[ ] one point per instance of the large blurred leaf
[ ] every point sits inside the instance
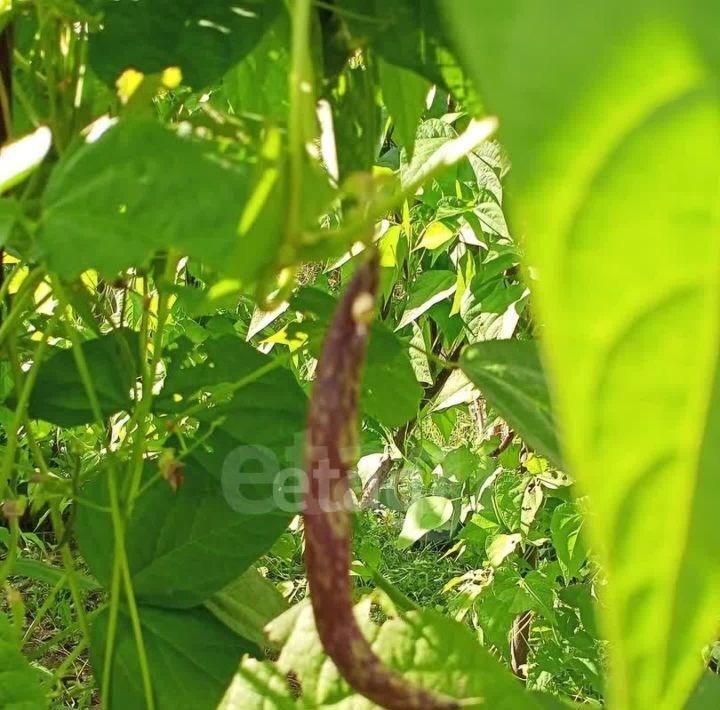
(509, 374)
(140, 188)
(240, 487)
(428, 648)
(59, 395)
(19, 684)
(612, 120)
(203, 39)
(191, 657)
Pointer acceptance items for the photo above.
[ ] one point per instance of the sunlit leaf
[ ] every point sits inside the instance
(19, 158)
(612, 121)
(424, 515)
(510, 375)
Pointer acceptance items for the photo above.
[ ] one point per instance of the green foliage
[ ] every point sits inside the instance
(203, 40)
(19, 685)
(143, 189)
(59, 396)
(191, 655)
(509, 373)
(175, 244)
(247, 605)
(429, 648)
(609, 100)
(424, 515)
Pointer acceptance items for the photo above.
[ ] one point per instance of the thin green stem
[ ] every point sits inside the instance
(121, 567)
(9, 562)
(40, 613)
(301, 113)
(451, 152)
(144, 407)
(23, 399)
(8, 280)
(49, 60)
(112, 622)
(5, 108)
(71, 658)
(435, 358)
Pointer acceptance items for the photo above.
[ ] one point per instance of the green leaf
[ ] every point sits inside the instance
(404, 94)
(247, 605)
(241, 486)
(203, 39)
(464, 465)
(49, 574)
(268, 66)
(509, 373)
(389, 391)
(191, 657)
(436, 234)
(424, 515)
(612, 121)
(137, 189)
(498, 547)
(19, 685)
(425, 646)
(706, 695)
(565, 528)
(431, 136)
(409, 34)
(59, 395)
(430, 288)
(19, 158)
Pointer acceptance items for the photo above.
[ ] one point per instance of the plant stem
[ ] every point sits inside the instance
(302, 111)
(452, 152)
(40, 613)
(23, 399)
(59, 637)
(121, 567)
(145, 405)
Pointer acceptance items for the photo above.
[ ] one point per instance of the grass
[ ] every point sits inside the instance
(64, 671)
(420, 574)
